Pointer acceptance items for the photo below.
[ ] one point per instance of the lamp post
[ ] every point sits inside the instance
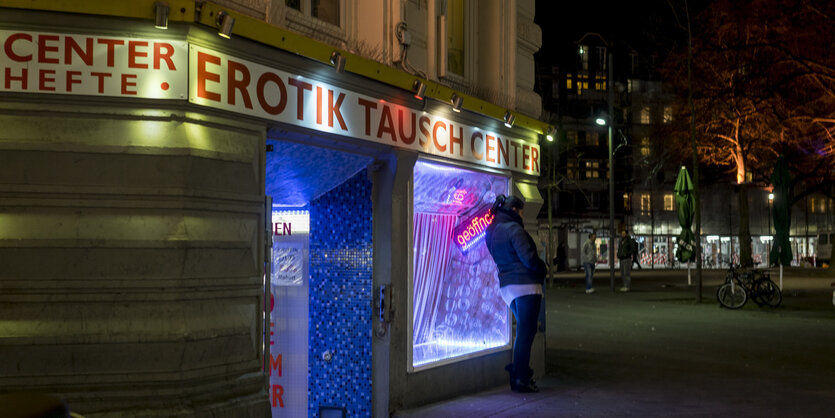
(770, 201)
(608, 119)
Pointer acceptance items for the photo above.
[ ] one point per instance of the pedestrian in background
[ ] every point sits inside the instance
(588, 255)
(626, 254)
(521, 275)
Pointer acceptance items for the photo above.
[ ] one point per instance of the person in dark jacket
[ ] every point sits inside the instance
(521, 275)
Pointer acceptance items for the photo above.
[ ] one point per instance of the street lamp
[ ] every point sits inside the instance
(770, 202)
(606, 118)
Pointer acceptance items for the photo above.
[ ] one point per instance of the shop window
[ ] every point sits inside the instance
(324, 10)
(456, 308)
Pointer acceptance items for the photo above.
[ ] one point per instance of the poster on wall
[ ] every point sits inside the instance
(289, 314)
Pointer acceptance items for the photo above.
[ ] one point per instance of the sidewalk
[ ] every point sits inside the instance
(655, 352)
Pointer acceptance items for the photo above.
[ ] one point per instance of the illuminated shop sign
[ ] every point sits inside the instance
(78, 64)
(35, 62)
(470, 232)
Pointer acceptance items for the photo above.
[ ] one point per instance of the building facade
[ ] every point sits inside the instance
(240, 207)
(573, 84)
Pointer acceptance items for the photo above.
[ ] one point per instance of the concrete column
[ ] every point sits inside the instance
(130, 240)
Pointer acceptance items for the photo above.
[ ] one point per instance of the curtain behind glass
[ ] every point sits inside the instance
(431, 246)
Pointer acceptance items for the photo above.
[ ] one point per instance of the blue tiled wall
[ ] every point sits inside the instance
(341, 298)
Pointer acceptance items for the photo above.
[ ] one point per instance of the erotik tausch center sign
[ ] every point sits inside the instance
(54, 63)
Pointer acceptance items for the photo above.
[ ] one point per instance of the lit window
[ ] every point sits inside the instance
(568, 82)
(583, 57)
(324, 10)
(645, 115)
(646, 203)
(645, 152)
(668, 202)
(645, 147)
(811, 205)
(593, 139)
(601, 57)
(571, 137)
(592, 169)
(627, 202)
(455, 37)
(668, 114)
(629, 86)
(571, 170)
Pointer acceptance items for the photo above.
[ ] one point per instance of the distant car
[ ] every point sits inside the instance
(824, 248)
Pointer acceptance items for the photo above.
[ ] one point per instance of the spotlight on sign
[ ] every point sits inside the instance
(457, 102)
(419, 87)
(225, 22)
(161, 19)
(509, 118)
(338, 61)
(550, 132)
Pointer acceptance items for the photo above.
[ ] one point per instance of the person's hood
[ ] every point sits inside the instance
(505, 215)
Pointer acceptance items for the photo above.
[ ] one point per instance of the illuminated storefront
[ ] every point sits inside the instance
(359, 286)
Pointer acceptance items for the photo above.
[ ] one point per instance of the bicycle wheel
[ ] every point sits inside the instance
(767, 293)
(731, 295)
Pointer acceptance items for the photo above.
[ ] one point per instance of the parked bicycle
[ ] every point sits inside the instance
(741, 285)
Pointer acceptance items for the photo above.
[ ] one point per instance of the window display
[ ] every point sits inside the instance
(456, 307)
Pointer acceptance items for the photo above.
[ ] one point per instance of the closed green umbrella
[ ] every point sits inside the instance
(781, 250)
(684, 205)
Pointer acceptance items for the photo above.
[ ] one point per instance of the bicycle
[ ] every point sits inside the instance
(741, 284)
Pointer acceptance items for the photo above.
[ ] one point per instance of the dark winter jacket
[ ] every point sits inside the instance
(627, 248)
(513, 250)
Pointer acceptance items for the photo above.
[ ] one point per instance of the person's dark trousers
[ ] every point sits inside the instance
(526, 311)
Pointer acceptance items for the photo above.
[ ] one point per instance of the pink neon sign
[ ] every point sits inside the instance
(468, 233)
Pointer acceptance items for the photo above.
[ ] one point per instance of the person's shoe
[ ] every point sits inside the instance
(624, 289)
(589, 291)
(524, 387)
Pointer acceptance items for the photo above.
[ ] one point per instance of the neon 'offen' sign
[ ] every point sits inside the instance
(470, 232)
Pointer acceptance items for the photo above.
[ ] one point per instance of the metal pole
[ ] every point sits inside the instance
(611, 100)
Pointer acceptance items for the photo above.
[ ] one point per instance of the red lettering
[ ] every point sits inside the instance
(160, 55)
(72, 80)
(233, 83)
(423, 124)
(24, 78)
(133, 54)
(203, 75)
(287, 229)
(503, 150)
(44, 78)
(275, 364)
(7, 46)
(438, 125)
(535, 159)
(43, 48)
(368, 104)
(456, 140)
(406, 139)
(475, 152)
(490, 139)
(318, 105)
(111, 48)
(126, 83)
(101, 77)
(386, 124)
(515, 154)
(525, 156)
(333, 109)
(71, 46)
(300, 86)
(277, 393)
(259, 88)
